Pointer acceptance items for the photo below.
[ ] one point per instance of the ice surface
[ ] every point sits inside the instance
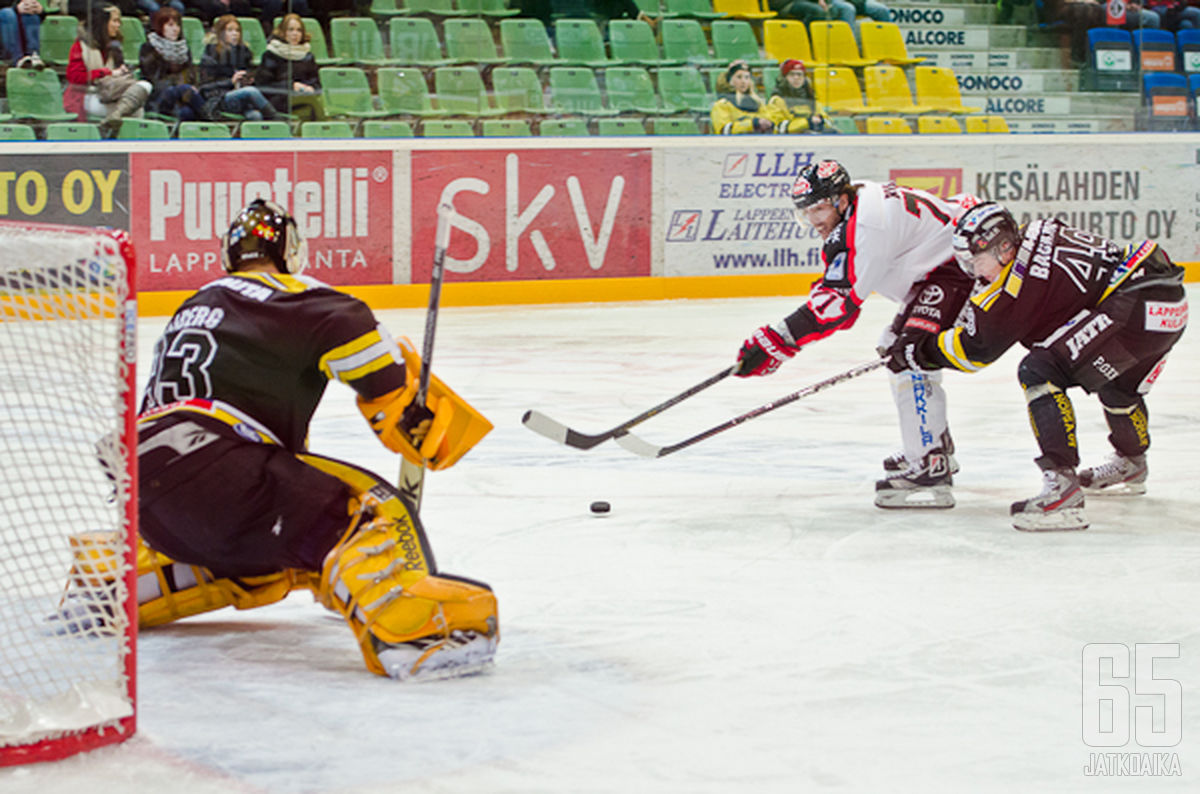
(743, 620)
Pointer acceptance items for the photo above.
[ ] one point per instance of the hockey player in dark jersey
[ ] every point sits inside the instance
(880, 237)
(235, 511)
(1093, 314)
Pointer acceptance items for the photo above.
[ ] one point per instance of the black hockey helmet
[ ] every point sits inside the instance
(980, 229)
(827, 179)
(264, 229)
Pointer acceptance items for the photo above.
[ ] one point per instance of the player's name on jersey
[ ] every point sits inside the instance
(961, 60)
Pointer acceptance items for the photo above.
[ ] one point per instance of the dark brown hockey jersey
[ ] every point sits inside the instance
(257, 349)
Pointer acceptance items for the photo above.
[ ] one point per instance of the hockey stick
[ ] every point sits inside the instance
(556, 431)
(412, 475)
(648, 450)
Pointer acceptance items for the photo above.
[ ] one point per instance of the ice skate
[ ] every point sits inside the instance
(1058, 507)
(897, 462)
(924, 486)
(434, 658)
(1117, 476)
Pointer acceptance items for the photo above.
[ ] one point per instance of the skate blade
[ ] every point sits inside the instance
(1118, 490)
(935, 498)
(411, 663)
(1067, 520)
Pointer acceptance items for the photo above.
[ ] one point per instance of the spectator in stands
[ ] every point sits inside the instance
(815, 10)
(288, 74)
(20, 26)
(1079, 16)
(166, 62)
(872, 9)
(1176, 15)
(739, 110)
(226, 80)
(265, 11)
(793, 99)
(99, 82)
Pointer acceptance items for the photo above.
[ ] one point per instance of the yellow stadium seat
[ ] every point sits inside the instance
(986, 124)
(787, 38)
(743, 9)
(888, 91)
(836, 89)
(937, 87)
(933, 124)
(884, 42)
(888, 125)
(833, 43)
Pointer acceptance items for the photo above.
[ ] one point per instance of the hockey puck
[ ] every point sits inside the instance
(600, 508)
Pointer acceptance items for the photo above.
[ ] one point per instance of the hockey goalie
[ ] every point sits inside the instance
(234, 511)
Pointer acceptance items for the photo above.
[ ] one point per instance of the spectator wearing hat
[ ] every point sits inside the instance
(793, 97)
(739, 110)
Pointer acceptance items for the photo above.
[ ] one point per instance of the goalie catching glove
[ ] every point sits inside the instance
(763, 352)
(435, 434)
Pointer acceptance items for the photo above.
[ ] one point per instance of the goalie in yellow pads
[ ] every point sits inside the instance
(234, 512)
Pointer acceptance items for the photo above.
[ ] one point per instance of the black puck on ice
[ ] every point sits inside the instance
(600, 508)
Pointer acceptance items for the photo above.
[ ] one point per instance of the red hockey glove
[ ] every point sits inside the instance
(762, 353)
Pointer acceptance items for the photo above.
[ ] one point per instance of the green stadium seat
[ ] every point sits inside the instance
(682, 88)
(57, 36)
(253, 37)
(518, 89)
(526, 41)
(563, 127)
(326, 129)
(435, 8)
(17, 132)
(504, 128)
(451, 128)
(376, 128)
(691, 9)
(620, 127)
(630, 88)
(193, 34)
(260, 130)
(357, 40)
(574, 90)
(203, 130)
(133, 36)
(632, 42)
(580, 43)
(414, 42)
(734, 40)
(143, 130)
(348, 93)
(35, 94)
(388, 9)
(404, 92)
(487, 8)
(675, 126)
(72, 131)
(684, 41)
(470, 41)
(460, 92)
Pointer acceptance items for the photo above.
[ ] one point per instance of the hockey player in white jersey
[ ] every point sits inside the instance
(880, 237)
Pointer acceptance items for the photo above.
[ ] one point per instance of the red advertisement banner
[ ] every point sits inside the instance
(181, 204)
(529, 214)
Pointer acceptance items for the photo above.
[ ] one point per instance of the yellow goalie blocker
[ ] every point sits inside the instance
(410, 622)
(456, 426)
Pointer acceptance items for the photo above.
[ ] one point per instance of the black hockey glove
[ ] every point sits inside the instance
(908, 351)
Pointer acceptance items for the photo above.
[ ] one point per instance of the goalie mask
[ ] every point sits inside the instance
(264, 230)
(981, 230)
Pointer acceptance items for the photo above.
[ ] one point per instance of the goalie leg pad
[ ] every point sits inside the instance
(168, 590)
(409, 625)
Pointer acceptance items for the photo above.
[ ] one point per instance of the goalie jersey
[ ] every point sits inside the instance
(233, 349)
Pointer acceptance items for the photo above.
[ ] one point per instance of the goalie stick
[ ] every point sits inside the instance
(539, 423)
(412, 475)
(648, 450)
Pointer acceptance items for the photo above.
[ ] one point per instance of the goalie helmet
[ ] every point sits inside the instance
(821, 181)
(982, 229)
(264, 230)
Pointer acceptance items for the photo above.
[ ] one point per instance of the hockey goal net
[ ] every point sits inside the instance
(67, 457)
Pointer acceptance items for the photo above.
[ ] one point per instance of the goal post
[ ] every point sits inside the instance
(68, 612)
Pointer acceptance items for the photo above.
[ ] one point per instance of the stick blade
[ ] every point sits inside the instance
(543, 425)
(639, 446)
